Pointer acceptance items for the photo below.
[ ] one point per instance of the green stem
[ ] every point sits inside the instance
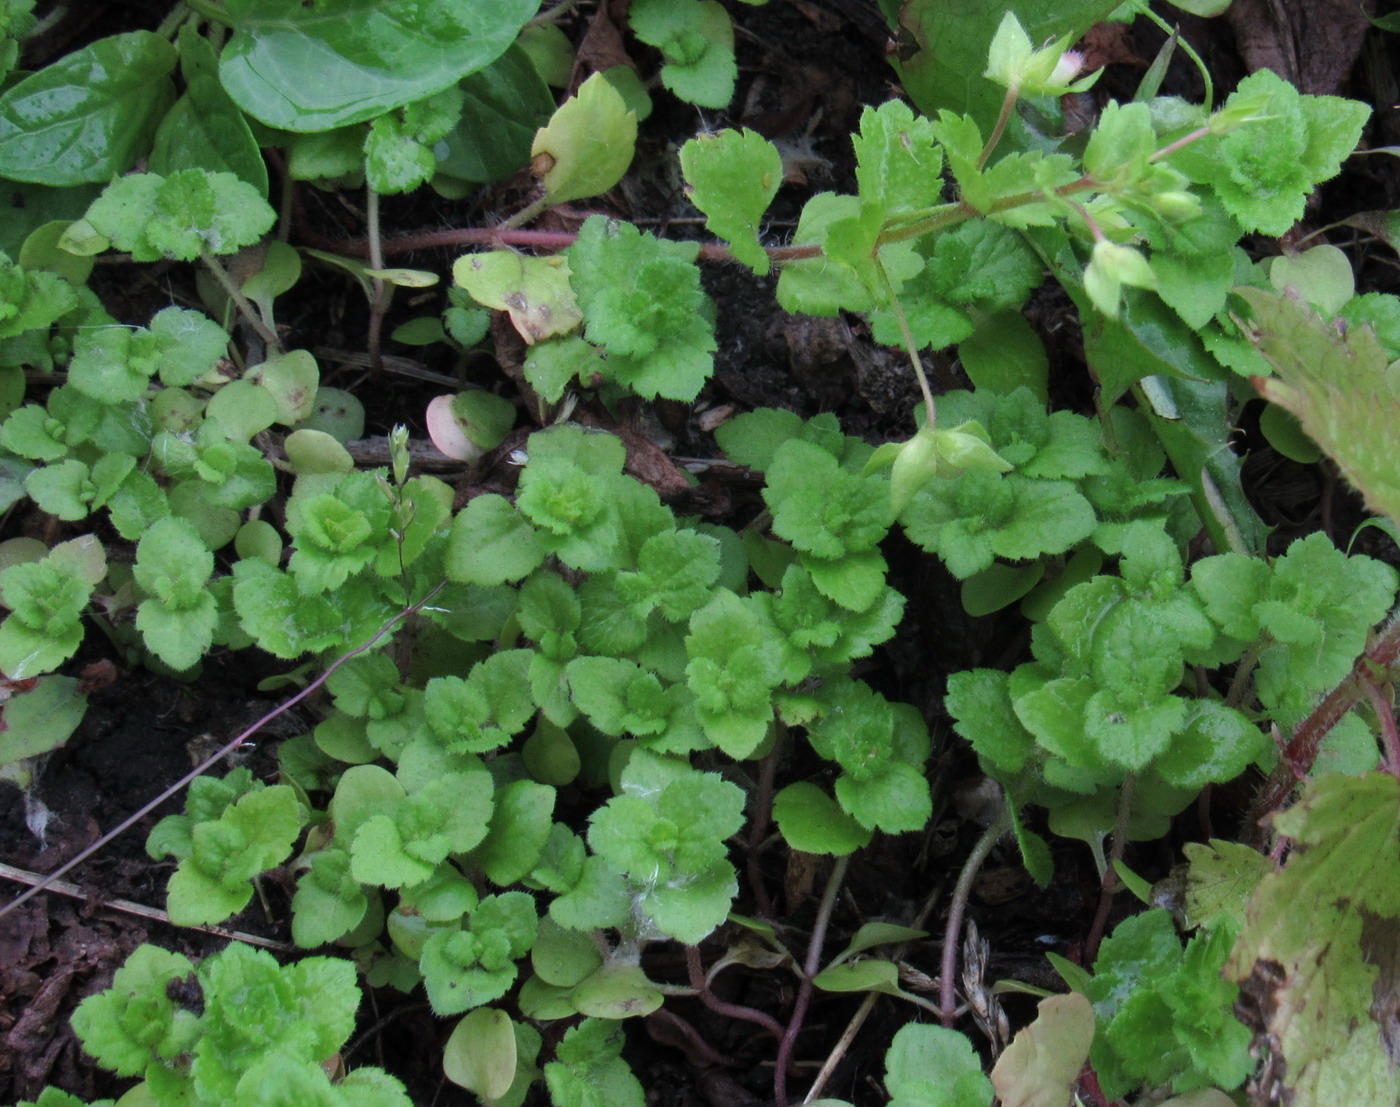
(382, 290)
(240, 301)
(1111, 880)
(952, 933)
(1186, 49)
(556, 13)
(1008, 102)
(930, 408)
(210, 10)
(526, 214)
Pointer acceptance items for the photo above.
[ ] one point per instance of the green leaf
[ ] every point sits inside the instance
(733, 668)
(535, 291)
(191, 212)
(90, 115)
(1337, 385)
(251, 836)
(491, 543)
(135, 1025)
(42, 719)
(980, 704)
(811, 821)
(1273, 165)
(588, 143)
(931, 1066)
(898, 161)
(520, 826)
(696, 38)
(1220, 881)
(503, 106)
(642, 301)
(590, 1071)
(178, 615)
(329, 902)
(46, 600)
(399, 148)
(369, 57)
(205, 129)
(480, 1053)
(733, 177)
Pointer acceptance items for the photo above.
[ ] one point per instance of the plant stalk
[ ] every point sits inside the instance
(952, 932)
(809, 970)
(240, 301)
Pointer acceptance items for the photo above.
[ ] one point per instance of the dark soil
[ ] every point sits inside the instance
(807, 67)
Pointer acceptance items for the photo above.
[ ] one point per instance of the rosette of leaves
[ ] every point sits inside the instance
(237, 1028)
(1264, 173)
(881, 748)
(337, 526)
(47, 599)
(177, 618)
(192, 212)
(477, 963)
(1166, 1015)
(1310, 611)
(736, 660)
(642, 303)
(588, 1067)
(1102, 693)
(231, 831)
(666, 833)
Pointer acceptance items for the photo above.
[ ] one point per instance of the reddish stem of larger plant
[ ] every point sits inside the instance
(221, 753)
(526, 239)
(1301, 751)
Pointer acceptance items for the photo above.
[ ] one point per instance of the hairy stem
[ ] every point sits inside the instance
(910, 346)
(809, 970)
(952, 932)
(240, 301)
(1298, 755)
(1008, 102)
(1390, 736)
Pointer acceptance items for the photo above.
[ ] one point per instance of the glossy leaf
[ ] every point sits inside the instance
(368, 56)
(205, 129)
(90, 115)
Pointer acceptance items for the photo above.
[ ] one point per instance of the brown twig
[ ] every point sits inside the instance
(155, 914)
(226, 749)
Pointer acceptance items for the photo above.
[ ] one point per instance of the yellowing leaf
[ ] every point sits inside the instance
(535, 291)
(1319, 950)
(1340, 388)
(588, 144)
(1040, 1067)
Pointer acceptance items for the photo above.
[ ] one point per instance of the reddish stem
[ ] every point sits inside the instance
(526, 239)
(1390, 736)
(804, 990)
(721, 1007)
(1301, 751)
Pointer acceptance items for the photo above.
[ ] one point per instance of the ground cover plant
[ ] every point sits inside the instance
(614, 721)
